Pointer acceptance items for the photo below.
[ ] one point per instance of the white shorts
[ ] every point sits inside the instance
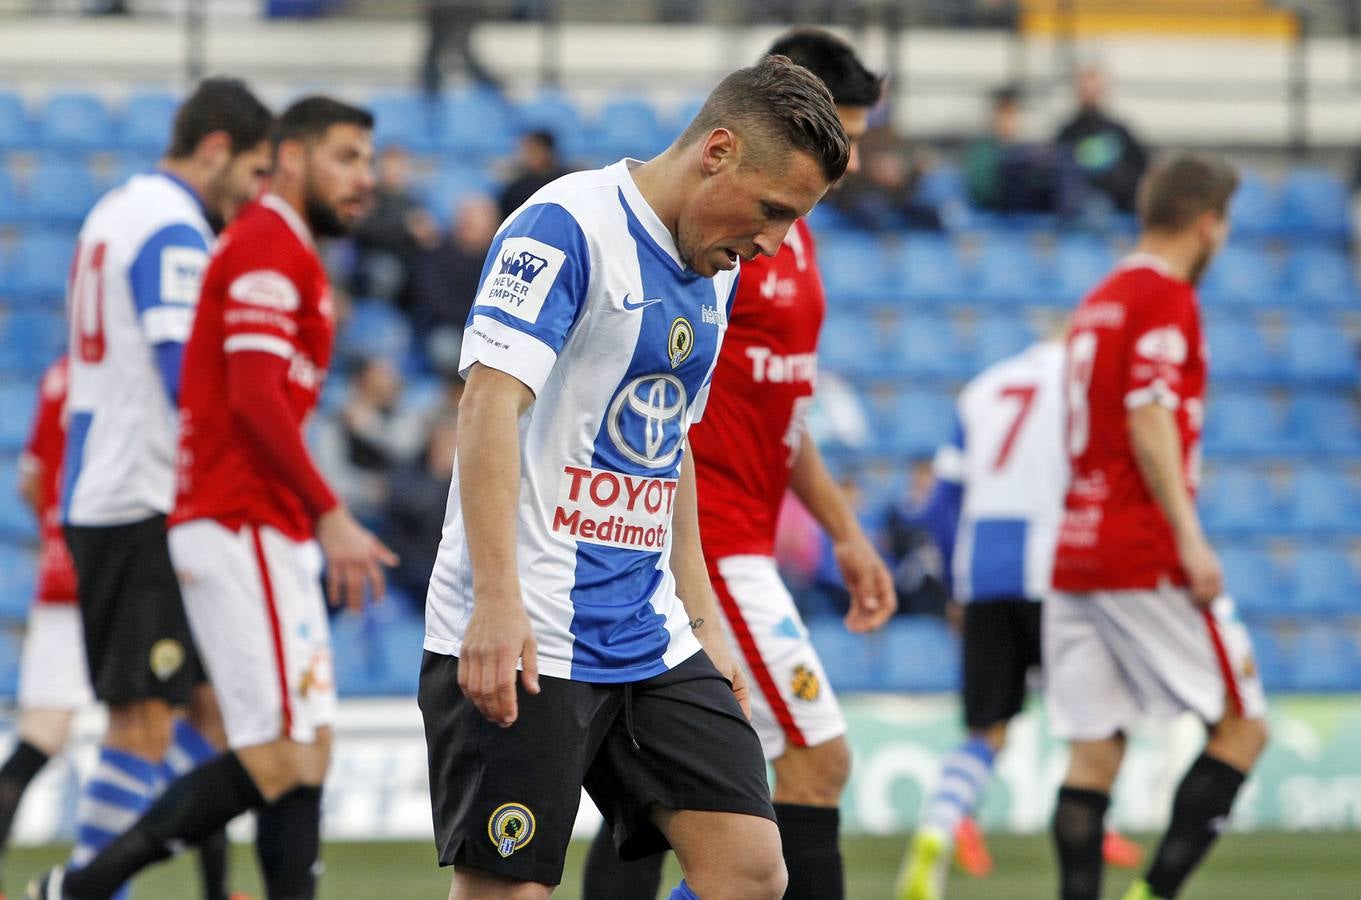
(53, 670)
(255, 605)
(1112, 657)
(791, 701)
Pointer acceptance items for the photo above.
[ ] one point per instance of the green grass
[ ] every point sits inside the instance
(1257, 866)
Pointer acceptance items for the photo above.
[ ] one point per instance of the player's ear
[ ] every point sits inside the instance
(719, 149)
(215, 148)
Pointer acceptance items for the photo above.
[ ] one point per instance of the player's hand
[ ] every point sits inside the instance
(873, 600)
(1203, 573)
(722, 655)
(354, 558)
(498, 636)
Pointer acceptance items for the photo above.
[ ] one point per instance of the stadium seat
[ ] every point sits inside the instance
(929, 271)
(1320, 353)
(1239, 352)
(451, 186)
(1078, 265)
(853, 662)
(1320, 276)
(1245, 424)
(60, 192)
(375, 329)
(926, 346)
(1314, 204)
(1325, 659)
(941, 185)
(1327, 424)
(1324, 501)
(1251, 579)
(853, 270)
(1241, 276)
(11, 644)
(16, 415)
(554, 112)
(396, 654)
(16, 127)
(841, 347)
(76, 120)
(1324, 582)
(1238, 501)
(476, 123)
(915, 422)
(627, 126)
(404, 120)
(17, 577)
(31, 339)
(11, 207)
(921, 655)
(39, 268)
(1256, 205)
(147, 118)
(998, 336)
(1008, 273)
(1271, 658)
(16, 519)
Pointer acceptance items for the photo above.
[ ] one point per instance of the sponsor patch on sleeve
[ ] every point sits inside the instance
(267, 288)
(522, 273)
(181, 274)
(1166, 345)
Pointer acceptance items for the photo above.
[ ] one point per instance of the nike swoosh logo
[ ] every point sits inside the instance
(630, 305)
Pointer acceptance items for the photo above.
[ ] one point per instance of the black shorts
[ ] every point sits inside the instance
(137, 638)
(1001, 645)
(505, 799)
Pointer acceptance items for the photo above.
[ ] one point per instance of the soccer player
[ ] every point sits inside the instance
(248, 505)
(750, 448)
(135, 277)
(571, 546)
(1137, 624)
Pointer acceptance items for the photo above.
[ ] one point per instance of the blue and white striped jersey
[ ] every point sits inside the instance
(1009, 469)
(585, 300)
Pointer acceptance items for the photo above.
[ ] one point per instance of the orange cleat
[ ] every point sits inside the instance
(1121, 852)
(971, 851)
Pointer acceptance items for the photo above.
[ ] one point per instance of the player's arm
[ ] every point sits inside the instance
(165, 278)
(944, 506)
(693, 586)
(498, 634)
(46, 438)
(1157, 451)
(873, 599)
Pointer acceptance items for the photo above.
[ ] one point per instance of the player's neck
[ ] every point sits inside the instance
(1178, 252)
(188, 172)
(659, 182)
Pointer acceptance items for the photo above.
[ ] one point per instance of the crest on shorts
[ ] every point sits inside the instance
(805, 683)
(680, 342)
(166, 658)
(510, 827)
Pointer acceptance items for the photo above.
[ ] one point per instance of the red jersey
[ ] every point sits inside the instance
(45, 448)
(762, 386)
(264, 290)
(1135, 340)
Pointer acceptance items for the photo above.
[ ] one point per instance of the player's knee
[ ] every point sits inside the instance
(143, 728)
(813, 776)
(833, 770)
(1239, 742)
(1095, 764)
(995, 736)
(757, 875)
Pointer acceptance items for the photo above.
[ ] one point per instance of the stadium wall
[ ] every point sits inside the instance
(1309, 779)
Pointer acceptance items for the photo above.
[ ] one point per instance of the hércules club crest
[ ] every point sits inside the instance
(510, 827)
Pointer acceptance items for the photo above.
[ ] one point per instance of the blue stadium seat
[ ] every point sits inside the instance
(1238, 501)
(929, 271)
(941, 185)
(1325, 659)
(147, 118)
(1272, 659)
(350, 647)
(1242, 276)
(452, 186)
(853, 270)
(1079, 264)
(1314, 203)
(16, 415)
(397, 654)
(841, 347)
(1240, 352)
(1327, 424)
(1320, 276)
(1324, 581)
(554, 112)
(926, 346)
(18, 575)
(1251, 578)
(76, 120)
(1009, 274)
(60, 192)
(922, 655)
(853, 662)
(1245, 424)
(16, 127)
(1319, 353)
(915, 422)
(11, 645)
(404, 120)
(1324, 501)
(35, 336)
(40, 266)
(627, 126)
(11, 206)
(16, 519)
(375, 329)
(998, 336)
(1256, 206)
(476, 122)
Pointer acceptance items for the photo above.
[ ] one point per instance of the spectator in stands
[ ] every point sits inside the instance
(882, 195)
(394, 231)
(1006, 174)
(414, 511)
(451, 24)
(537, 165)
(1109, 155)
(445, 278)
(912, 529)
(373, 435)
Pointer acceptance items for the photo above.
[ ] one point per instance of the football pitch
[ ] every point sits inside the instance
(1299, 866)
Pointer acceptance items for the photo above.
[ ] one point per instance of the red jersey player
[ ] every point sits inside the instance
(1138, 625)
(749, 449)
(249, 502)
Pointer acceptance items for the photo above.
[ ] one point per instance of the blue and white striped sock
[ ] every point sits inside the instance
(963, 777)
(118, 791)
(682, 892)
(189, 749)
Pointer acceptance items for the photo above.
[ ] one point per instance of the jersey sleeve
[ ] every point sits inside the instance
(165, 277)
(260, 310)
(47, 437)
(1159, 343)
(533, 288)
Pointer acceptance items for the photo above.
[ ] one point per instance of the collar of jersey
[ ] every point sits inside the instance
(646, 216)
(1145, 260)
(187, 188)
(289, 215)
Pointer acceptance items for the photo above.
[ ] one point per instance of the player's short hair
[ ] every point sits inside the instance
(834, 61)
(219, 104)
(307, 119)
(1183, 187)
(776, 101)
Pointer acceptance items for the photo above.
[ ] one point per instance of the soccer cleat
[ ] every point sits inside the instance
(1121, 852)
(971, 851)
(923, 874)
(47, 887)
(1139, 890)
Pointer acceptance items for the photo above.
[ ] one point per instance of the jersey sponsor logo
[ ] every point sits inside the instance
(680, 342)
(267, 288)
(773, 287)
(1099, 315)
(597, 506)
(805, 684)
(251, 316)
(712, 315)
(776, 368)
(646, 420)
(511, 827)
(1165, 345)
(526, 273)
(639, 304)
(181, 274)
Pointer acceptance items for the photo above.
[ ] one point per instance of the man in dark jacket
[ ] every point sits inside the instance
(1110, 156)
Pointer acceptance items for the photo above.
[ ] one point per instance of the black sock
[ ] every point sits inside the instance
(607, 877)
(811, 836)
(1079, 829)
(23, 764)
(212, 865)
(288, 843)
(191, 809)
(1199, 812)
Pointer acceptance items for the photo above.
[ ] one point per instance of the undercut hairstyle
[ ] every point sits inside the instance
(307, 119)
(834, 61)
(774, 106)
(219, 104)
(1183, 187)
